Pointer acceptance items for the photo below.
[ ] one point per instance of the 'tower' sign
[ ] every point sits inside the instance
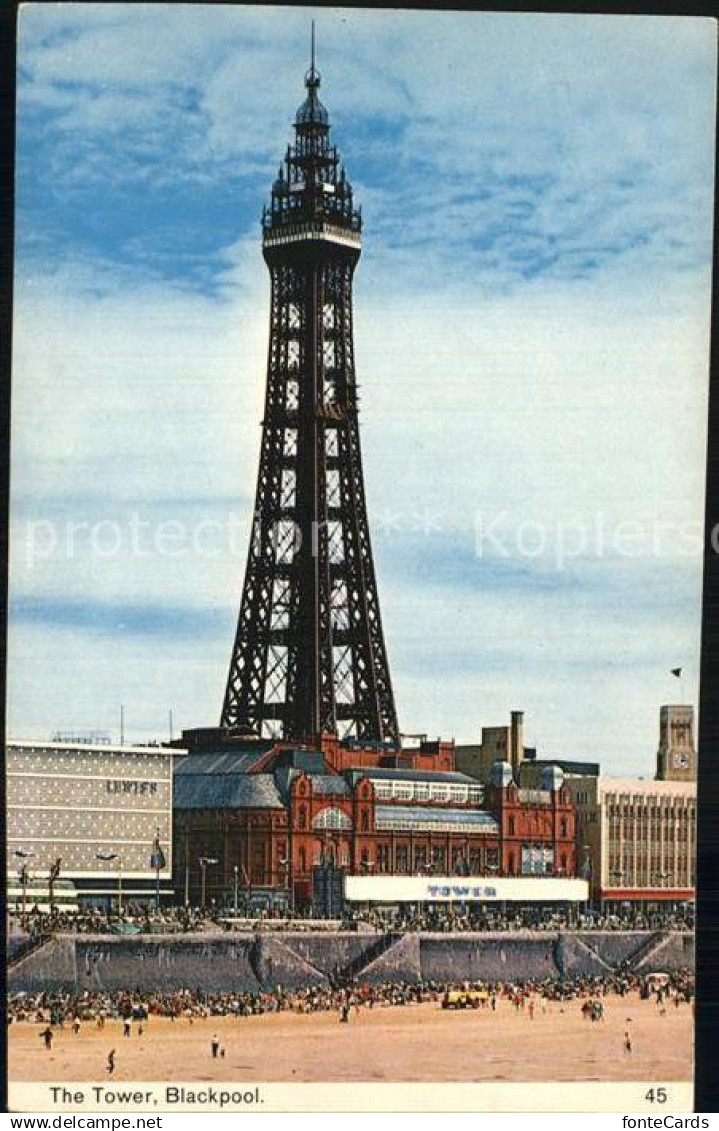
(445, 889)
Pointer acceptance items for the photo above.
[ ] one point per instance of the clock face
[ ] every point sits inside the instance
(681, 761)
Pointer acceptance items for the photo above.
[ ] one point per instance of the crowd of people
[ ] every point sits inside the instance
(98, 921)
(143, 919)
(434, 917)
(504, 918)
(57, 1010)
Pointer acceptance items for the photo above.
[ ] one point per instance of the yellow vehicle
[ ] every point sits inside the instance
(464, 999)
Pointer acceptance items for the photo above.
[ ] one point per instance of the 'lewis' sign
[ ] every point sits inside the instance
(133, 787)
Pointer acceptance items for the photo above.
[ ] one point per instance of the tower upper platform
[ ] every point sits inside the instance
(311, 197)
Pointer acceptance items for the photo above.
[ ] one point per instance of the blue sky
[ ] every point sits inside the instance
(531, 318)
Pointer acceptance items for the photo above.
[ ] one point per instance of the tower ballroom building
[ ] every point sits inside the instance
(306, 780)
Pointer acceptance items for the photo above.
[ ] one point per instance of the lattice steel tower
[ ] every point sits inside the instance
(309, 654)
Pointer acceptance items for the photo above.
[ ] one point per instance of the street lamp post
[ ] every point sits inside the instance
(23, 877)
(107, 857)
(158, 862)
(587, 870)
(204, 861)
(23, 884)
(53, 876)
(285, 865)
(236, 871)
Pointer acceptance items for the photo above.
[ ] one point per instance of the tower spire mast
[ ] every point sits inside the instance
(309, 655)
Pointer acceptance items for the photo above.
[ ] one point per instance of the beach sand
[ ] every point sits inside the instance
(386, 1043)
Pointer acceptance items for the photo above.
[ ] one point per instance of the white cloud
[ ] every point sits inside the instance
(552, 399)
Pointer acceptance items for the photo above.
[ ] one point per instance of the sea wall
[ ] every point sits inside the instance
(218, 963)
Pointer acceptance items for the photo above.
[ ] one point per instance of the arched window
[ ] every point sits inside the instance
(331, 818)
(364, 821)
(511, 826)
(303, 817)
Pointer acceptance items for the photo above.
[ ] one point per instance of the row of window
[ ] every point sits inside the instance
(475, 861)
(668, 877)
(666, 811)
(581, 797)
(400, 824)
(649, 836)
(427, 791)
(663, 867)
(332, 818)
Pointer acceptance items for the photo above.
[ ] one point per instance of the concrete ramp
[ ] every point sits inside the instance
(332, 954)
(400, 962)
(52, 966)
(615, 947)
(575, 955)
(668, 952)
(276, 963)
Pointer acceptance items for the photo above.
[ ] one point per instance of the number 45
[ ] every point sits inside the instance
(656, 1096)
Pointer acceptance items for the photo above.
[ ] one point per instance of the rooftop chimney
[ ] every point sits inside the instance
(516, 741)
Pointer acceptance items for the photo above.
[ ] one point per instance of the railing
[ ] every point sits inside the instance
(311, 229)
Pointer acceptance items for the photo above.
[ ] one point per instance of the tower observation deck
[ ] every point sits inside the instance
(309, 656)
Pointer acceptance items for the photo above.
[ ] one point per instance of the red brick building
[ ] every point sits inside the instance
(253, 820)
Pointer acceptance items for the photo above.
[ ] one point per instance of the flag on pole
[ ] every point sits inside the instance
(55, 870)
(677, 672)
(157, 860)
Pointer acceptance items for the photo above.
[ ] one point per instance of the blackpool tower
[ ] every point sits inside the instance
(309, 656)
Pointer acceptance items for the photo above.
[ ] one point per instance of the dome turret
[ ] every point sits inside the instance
(312, 112)
(500, 775)
(551, 778)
